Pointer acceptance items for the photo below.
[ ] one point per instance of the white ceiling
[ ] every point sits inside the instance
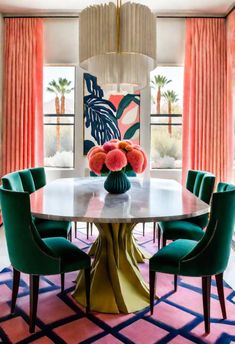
(213, 7)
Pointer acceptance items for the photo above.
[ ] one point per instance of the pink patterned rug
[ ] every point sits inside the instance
(177, 316)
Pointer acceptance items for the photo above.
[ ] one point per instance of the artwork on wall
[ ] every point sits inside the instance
(108, 115)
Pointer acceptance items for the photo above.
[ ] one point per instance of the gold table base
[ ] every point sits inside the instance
(117, 285)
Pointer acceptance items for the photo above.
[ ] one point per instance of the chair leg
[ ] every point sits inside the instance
(16, 283)
(220, 288)
(143, 228)
(34, 286)
(158, 237)
(163, 242)
(91, 224)
(206, 290)
(87, 230)
(175, 282)
(70, 235)
(88, 287)
(152, 283)
(154, 232)
(62, 282)
(75, 229)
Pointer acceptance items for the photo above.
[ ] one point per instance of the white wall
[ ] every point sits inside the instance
(170, 41)
(61, 40)
(61, 47)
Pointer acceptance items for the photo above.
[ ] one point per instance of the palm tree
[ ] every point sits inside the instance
(171, 97)
(158, 83)
(54, 88)
(61, 88)
(64, 88)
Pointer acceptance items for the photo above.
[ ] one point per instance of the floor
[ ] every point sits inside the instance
(177, 316)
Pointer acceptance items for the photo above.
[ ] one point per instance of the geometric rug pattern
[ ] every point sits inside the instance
(177, 317)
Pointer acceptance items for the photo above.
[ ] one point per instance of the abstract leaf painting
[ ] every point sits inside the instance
(109, 116)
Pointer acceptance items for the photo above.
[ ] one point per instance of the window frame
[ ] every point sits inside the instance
(74, 115)
(152, 115)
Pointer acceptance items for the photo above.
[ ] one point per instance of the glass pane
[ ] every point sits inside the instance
(166, 134)
(58, 145)
(58, 93)
(58, 90)
(166, 150)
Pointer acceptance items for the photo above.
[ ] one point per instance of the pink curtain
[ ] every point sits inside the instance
(207, 125)
(230, 26)
(22, 144)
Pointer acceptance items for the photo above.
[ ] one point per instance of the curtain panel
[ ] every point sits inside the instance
(230, 28)
(22, 140)
(207, 124)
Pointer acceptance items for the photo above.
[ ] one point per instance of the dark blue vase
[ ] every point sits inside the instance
(117, 182)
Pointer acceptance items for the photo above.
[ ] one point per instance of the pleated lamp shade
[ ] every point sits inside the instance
(118, 43)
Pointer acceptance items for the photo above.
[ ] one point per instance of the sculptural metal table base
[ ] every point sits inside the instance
(117, 285)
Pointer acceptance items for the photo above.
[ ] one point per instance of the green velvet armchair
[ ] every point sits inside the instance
(205, 258)
(201, 184)
(31, 254)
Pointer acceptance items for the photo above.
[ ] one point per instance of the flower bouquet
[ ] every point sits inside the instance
(116, 158)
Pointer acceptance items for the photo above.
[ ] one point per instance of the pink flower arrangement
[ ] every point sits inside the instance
(116, 155)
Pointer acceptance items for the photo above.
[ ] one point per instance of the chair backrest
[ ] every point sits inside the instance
(210, 256)
(191, 177)
(27, 181)
(27, 251)
(206, 187)
(12, 181)
(224, 187)
(201, 184)
(198, 182)
(39, 177)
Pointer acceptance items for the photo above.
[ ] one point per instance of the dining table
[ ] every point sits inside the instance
(117, 285)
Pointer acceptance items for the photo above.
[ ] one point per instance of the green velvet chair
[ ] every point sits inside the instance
(33, 255)
(31, 180)
(205, 258)
(201, 184)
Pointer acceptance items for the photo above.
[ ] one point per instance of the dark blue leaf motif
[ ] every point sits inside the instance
(100, 115)
(87, 146)
(92, 86)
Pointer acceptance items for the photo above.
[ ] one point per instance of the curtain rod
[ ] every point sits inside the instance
(40, 16)
(189, 16)
(71, 16)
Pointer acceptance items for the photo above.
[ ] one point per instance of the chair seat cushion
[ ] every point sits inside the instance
(51, 228)
(174, 230)
(72, 258)
(168, 258)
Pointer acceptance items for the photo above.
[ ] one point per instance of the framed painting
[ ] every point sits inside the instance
(108, 115)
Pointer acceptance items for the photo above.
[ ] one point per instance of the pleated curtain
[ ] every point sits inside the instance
(22, 140)
(207, 123)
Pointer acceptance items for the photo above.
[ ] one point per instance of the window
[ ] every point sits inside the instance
(58, 108)
(166, 117)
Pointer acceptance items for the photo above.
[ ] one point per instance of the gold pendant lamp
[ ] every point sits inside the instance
(117, 43)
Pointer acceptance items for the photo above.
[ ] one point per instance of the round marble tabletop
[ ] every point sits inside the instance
(85, 199)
